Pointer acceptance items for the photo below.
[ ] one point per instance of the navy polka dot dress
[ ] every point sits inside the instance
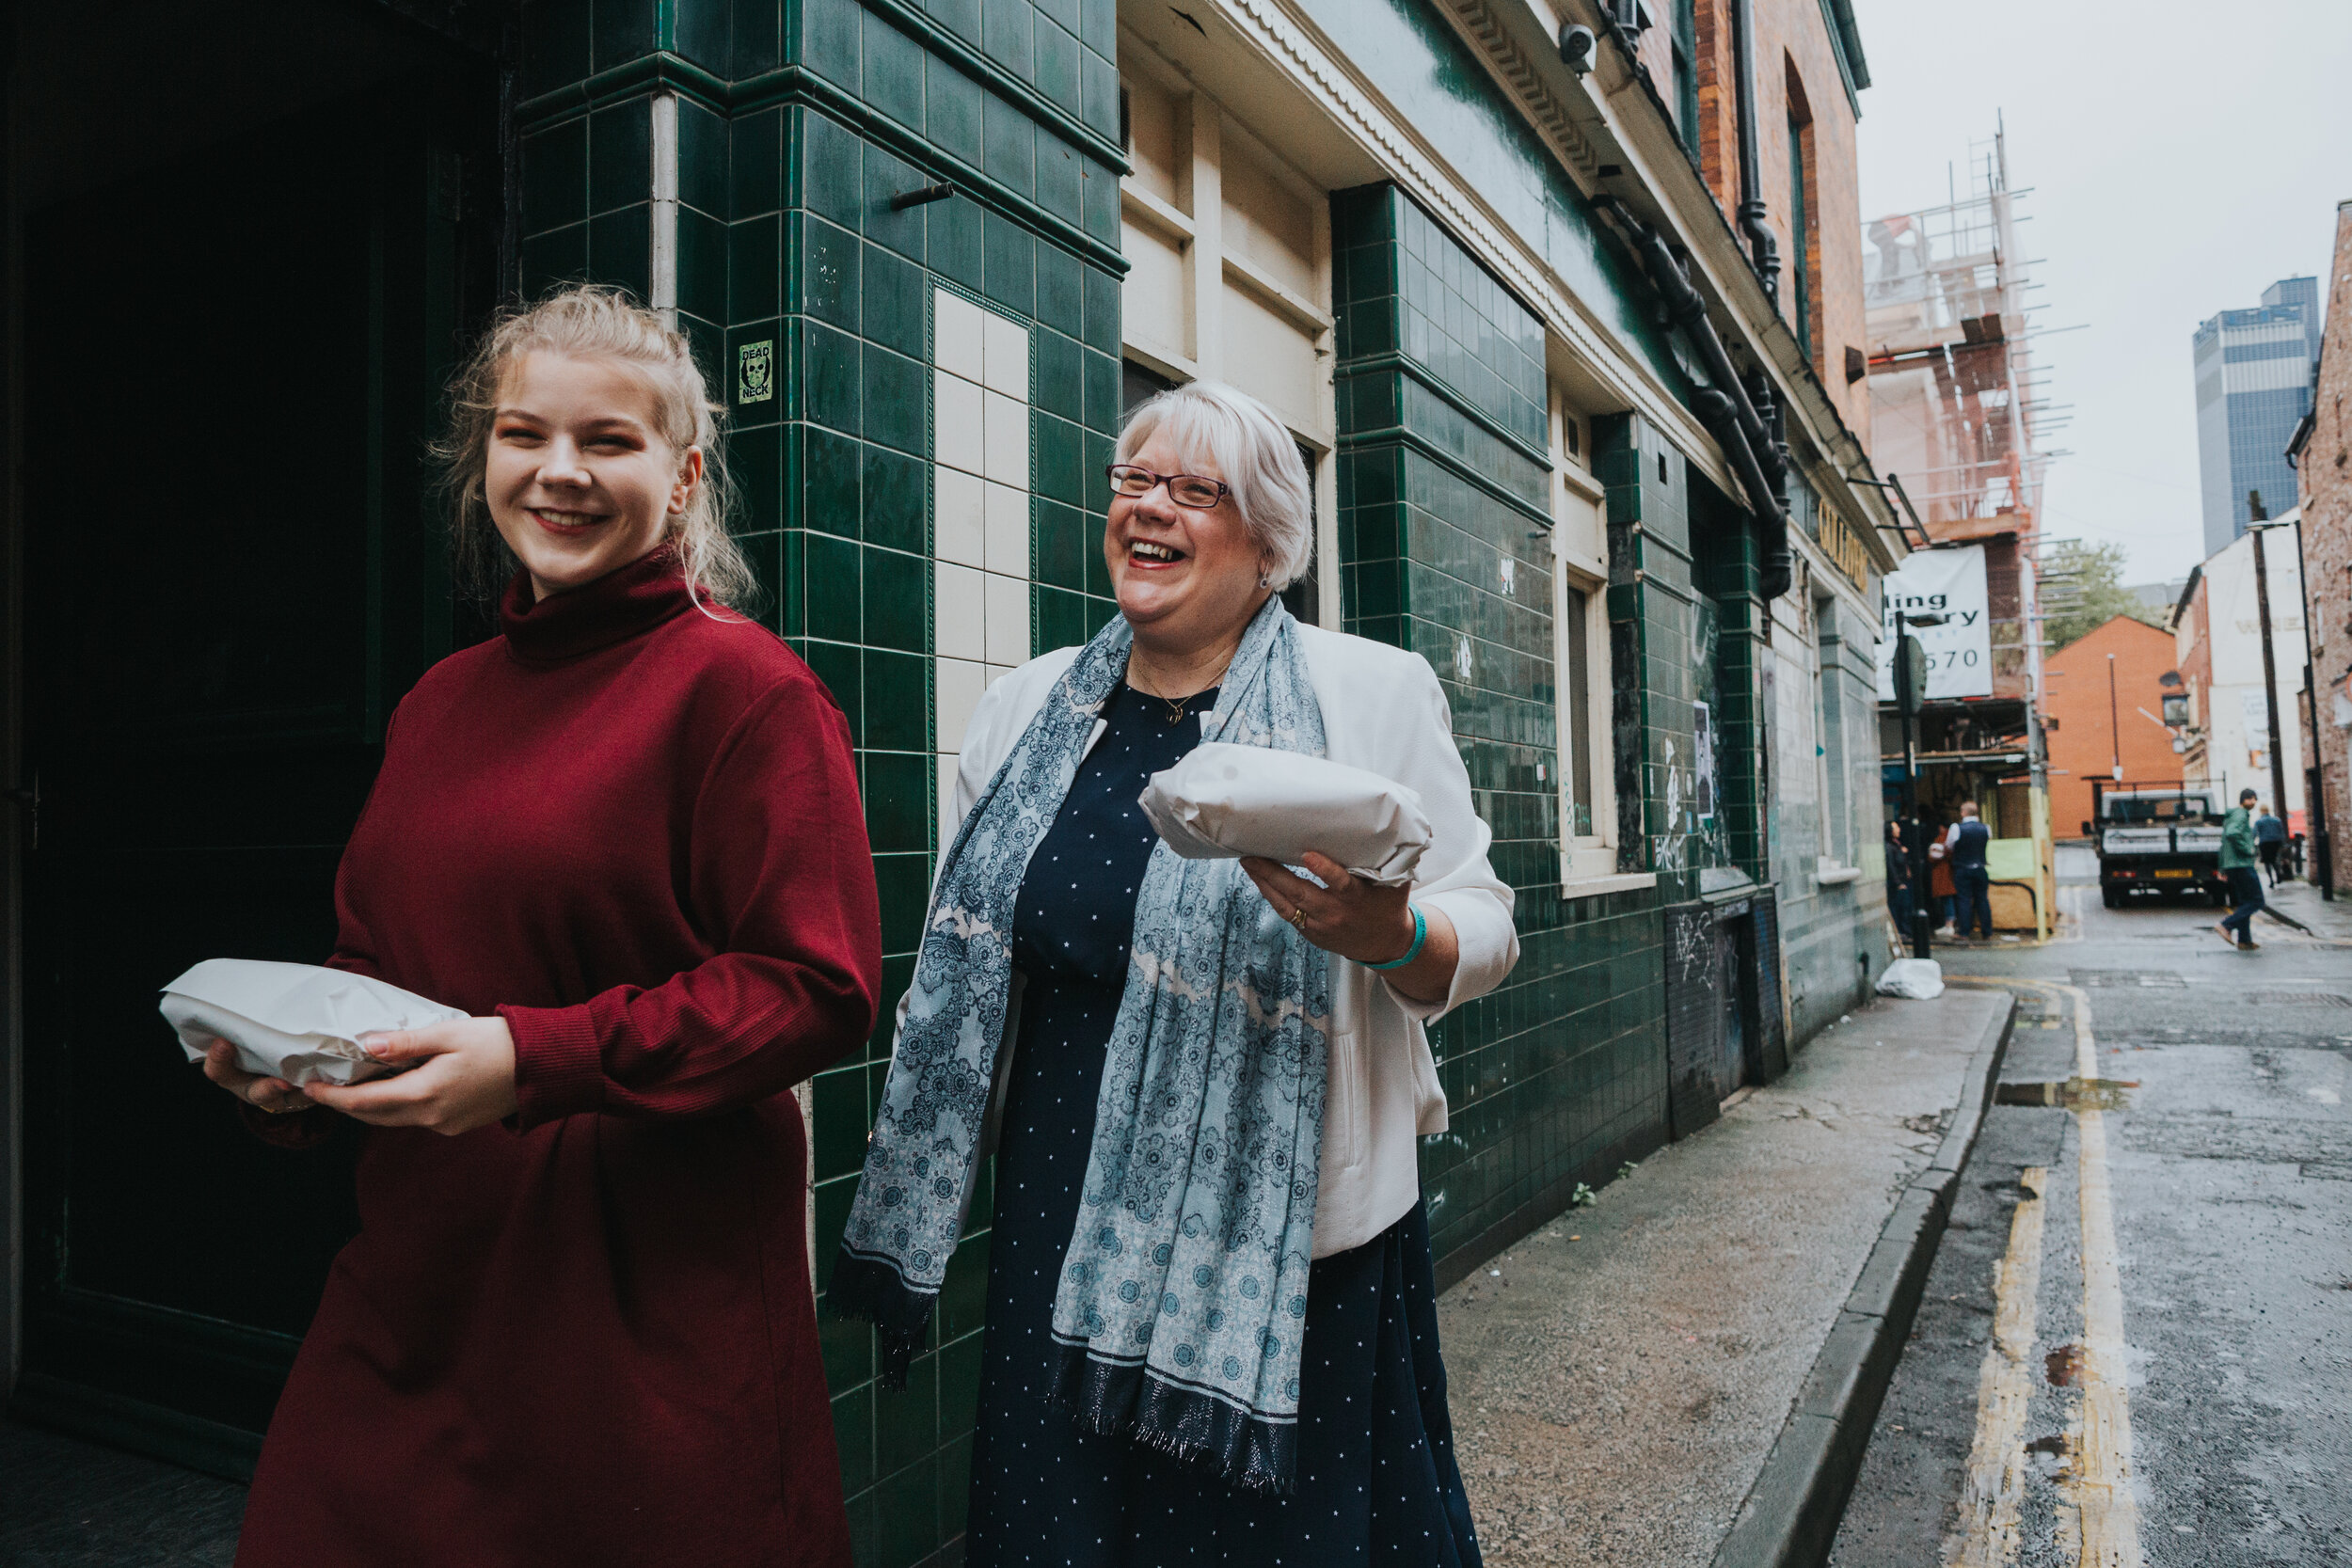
(1377, 1483)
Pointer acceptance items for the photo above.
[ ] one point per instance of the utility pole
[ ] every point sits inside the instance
(2270, 664)
(2115, 730)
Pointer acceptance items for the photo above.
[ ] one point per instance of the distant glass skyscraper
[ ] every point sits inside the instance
(2254, 377)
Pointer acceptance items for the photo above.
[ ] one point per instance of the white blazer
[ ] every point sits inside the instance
(1383, 711)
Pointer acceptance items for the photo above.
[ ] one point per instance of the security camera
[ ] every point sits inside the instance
(1576, 48)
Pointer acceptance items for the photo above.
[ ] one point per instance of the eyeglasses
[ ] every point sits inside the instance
(1192, 490)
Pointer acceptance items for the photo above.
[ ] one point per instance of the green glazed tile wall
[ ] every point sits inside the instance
(1559, 1074)
(810, 298)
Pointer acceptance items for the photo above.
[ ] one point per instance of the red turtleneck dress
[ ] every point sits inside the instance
(586, 1337)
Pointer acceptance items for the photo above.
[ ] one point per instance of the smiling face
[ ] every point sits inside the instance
(579, 479)
(1185, 577)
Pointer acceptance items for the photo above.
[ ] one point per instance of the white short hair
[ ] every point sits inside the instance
(1252, 452)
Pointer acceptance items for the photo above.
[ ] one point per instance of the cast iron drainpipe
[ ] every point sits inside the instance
(1763, 247)
(1755, 456)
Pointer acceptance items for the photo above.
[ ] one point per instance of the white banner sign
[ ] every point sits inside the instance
(1950, 583)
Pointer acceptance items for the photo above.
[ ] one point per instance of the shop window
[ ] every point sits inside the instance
(1579, 550)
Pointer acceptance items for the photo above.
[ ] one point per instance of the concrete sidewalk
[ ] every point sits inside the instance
(1621, 1378)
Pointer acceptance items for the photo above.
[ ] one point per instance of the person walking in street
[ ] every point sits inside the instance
(1212, 1330)
(2237, 866)
(574, 1329)
(1972, 885)
(2270, 842)
(1901, 875)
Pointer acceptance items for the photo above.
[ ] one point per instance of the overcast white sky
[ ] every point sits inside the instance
(2182, 158)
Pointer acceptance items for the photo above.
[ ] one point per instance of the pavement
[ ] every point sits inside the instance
(2136, 1344)
(1623, 1378)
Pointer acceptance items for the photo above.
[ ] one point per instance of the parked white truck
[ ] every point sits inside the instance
(2157, 839)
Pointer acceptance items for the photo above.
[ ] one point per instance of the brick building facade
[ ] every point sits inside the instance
(2321, 453)
(2103, 710)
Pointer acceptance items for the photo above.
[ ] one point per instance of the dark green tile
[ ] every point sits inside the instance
(898, 816)
(833, 1217)
(832, 171)
(1098, 25)
(831, 376)
(832, 469)
(895, 399)
(1098, 202)
(555, 48)
(1061, 173)
(837, 1102)
(894, 74)
(954, 237)
(904, 883)
(847, 1345)
(764, 554)
(1101, 392)
(755, 462)
(897, 607)
(702, 265)
(853, 1433)
(701, 156)
(1005, 34)
(1064, 541)
(1060, 372)
(620, 248)
(888, 177)
(1009, 144)
(758, 36)
(1010, 278)
(963, 16)
(623, 31)
(1057, 449)
(955, 1484)
(895, 496)
(893, 305)
(1058, 619)
(906, 1512)
(1098, 92)
(841, 666)
(1064, 12)
(828, 272)
(555, 177)
(1102, 312)
(620, 155)
(1060, 291)
(1056, 65)
(755, 163)
(953, 102)
(898, 703)
(756, 268)
(829, 39)
(703, 30)
(834, 589)
(558, 257)
(960, 1359)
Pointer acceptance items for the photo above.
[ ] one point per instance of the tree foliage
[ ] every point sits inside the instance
(2082, 590)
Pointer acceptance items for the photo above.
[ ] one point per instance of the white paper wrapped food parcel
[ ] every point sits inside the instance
(296, 1021)
(1220, 802)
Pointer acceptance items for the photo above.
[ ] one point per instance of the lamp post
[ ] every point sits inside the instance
(1910, 692)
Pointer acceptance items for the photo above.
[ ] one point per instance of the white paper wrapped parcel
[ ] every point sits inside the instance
(295, 1021)
(1221, 801)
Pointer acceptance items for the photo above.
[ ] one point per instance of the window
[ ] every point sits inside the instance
(1800, 241)
(1579, 553)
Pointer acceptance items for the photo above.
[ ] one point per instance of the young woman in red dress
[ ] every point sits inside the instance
(576, 1326)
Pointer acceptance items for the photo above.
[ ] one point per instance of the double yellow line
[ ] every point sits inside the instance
(2100, 1525)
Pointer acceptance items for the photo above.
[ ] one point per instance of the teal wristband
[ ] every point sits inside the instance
(1421, 935)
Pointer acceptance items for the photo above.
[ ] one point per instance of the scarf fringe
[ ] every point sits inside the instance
(869, 1289)
(1132, 1403)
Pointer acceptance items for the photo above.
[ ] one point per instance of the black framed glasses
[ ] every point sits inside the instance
(1196, 491)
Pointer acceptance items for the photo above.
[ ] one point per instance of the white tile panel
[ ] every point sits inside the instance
(1005, 440)
(958, 437)
(1007, 619)
(1004, 361)
(956, 691)
(957, 530)
(958, 332)
(1008, 516)
(959, 611)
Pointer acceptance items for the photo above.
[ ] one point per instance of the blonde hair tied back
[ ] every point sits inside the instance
(601, 324)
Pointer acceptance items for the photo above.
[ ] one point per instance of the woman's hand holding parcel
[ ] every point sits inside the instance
(460, 1076)
(273, 1095)
(1359, 920)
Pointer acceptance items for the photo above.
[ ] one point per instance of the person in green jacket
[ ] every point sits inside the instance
(2246, 883)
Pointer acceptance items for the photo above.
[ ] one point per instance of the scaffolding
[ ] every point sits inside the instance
(1957, 416)
(1952, 404)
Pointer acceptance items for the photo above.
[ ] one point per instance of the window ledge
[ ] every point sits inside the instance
(1623, 882)
(1828, 873)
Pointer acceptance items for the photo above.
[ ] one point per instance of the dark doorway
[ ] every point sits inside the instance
(233, 341)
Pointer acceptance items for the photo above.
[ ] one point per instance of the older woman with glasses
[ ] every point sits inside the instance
(1212, 1329)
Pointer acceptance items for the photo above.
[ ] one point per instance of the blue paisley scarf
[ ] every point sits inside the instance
(1182, 1297)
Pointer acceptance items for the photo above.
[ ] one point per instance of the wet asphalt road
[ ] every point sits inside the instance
(2227, 1128)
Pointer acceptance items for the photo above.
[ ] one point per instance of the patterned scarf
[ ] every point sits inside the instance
(1182, 1297)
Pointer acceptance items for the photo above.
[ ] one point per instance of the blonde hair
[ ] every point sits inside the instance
(593, 324)
(1255, 455)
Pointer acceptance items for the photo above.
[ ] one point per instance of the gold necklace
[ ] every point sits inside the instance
(1176, 705)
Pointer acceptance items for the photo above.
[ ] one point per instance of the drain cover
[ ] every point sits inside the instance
(2150, 977)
